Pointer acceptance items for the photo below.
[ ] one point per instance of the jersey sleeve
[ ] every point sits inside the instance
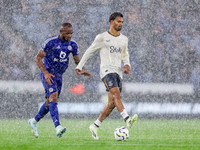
(46, 46)
(75, 49)
(96, 45)
(125, 55)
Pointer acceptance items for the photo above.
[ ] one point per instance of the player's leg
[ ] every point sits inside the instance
(115, 92)
(44, 109)
(111, 79)
(53, 101)
(108, 108)
(113, 83)
(105, 113)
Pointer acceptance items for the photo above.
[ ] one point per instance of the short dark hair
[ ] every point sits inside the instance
(67, 24)
(114, 15)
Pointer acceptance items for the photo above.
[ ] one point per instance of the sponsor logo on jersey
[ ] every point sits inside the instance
(61, 60)
(115, 50)
(69, 48)
(107, 40)
(51, 90)
(62, 54)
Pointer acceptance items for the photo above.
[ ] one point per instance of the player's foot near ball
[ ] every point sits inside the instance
(94, 131)
(34, 127)
(60, 130)
(131, 120)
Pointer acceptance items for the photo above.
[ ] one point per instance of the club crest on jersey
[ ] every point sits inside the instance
(51, 90)
(69, 48)
(62, 54)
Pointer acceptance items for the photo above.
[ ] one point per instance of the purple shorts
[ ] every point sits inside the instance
(56, 86)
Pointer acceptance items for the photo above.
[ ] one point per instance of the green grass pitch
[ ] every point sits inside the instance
(145, 135)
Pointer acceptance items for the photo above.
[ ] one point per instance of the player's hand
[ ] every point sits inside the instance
(126, 69)
(48, 78)
(85, 73)
(78, 72)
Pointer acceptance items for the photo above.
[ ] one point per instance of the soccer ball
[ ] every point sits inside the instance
(121, 133)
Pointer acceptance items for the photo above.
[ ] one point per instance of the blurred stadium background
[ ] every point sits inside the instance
(164, 47)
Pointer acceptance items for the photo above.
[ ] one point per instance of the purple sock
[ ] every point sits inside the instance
(42, 112)
(54, 113)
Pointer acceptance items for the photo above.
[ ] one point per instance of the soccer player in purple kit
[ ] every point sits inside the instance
(54, 53)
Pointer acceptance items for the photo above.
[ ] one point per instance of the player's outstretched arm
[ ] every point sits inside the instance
(78, 71)
(96, 45)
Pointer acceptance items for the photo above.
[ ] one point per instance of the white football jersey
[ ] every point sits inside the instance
(113, 50)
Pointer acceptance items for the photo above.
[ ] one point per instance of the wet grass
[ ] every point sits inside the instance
(145, 135)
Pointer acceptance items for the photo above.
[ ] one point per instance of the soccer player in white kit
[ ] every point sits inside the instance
(113, 48)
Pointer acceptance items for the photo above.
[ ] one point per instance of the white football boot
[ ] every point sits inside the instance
(131, 120)
(34, 127)
(60, 130)
(94, 131)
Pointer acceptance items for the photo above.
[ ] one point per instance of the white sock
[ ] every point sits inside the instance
(97, 122)
(124, 114)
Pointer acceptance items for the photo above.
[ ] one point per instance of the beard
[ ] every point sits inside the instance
(118, 29)
(64, 39)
